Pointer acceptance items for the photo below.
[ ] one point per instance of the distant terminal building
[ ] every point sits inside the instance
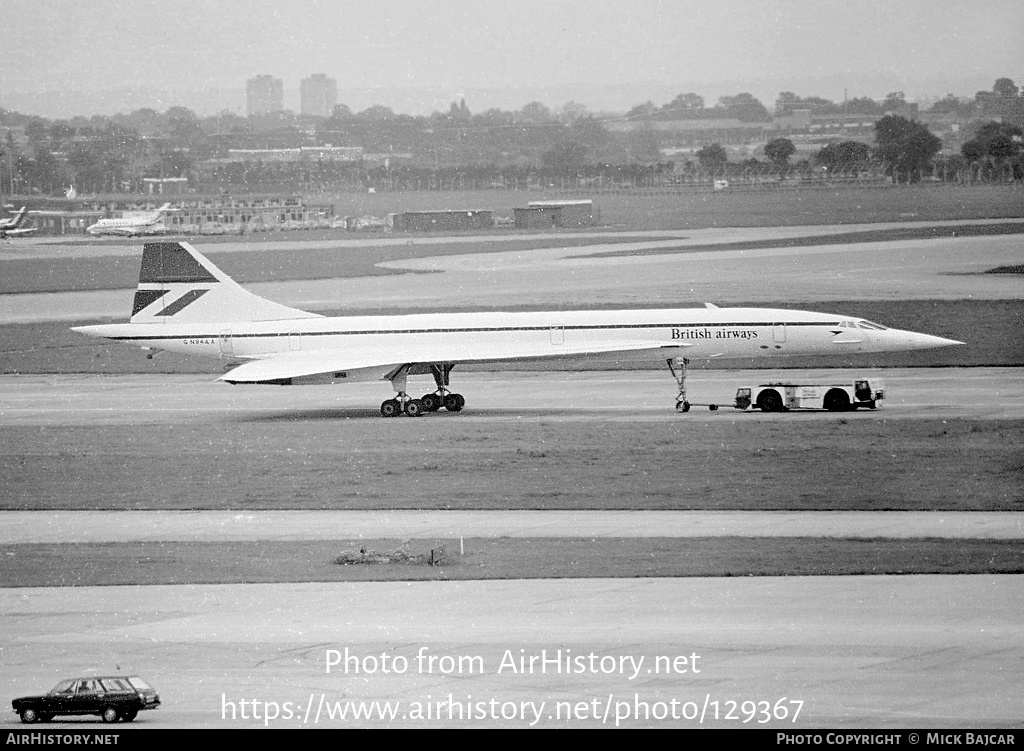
(264, 94)
(52, 221)
(385, 160)
(225, 214)
(683, 130)
(301, 154)
(331, 153)
(189, 215)
(547, 214)
(318, 94)
(165, 186)
(442, 221)
(718, 130)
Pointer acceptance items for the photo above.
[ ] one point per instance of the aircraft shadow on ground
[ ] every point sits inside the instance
(361, 413)
(304, 415)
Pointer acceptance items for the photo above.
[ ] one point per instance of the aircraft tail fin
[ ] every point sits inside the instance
(178, 283)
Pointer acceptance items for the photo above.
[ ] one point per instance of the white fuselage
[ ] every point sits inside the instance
(185, 304)
(693, 333)
(146, 224)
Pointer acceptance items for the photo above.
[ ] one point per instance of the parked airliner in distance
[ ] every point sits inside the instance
(184, 303)
(11, 227)
(149, 223)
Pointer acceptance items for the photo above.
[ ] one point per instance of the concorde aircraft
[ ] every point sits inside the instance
(11, 227)
(150, 223)
(184, 303)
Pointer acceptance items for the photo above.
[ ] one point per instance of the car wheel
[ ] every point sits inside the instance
(110, 714)
(29, 715)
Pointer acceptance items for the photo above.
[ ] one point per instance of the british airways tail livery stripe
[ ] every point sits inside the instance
(176, 281)
(169, 263)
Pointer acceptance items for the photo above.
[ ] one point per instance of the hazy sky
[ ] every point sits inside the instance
(51, 47)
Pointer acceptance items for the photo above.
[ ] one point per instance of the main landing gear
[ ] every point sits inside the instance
(432, 402)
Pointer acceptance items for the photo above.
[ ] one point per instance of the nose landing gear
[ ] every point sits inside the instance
(677, 366)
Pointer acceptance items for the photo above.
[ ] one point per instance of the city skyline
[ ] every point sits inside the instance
(106, 56)
(318, 95)
(264, 94)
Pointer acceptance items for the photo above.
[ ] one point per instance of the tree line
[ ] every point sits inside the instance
(104, 154)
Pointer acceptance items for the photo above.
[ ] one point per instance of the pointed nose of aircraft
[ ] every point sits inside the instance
(905, 340)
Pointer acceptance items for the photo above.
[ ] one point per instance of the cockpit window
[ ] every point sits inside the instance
(871, 326)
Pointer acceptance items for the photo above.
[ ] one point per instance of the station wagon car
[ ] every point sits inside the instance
(113, 698)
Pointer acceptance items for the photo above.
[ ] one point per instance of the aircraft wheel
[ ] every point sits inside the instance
(431, 402)
(391, 408)
(682, 406)
(414, 408)
(454, 402)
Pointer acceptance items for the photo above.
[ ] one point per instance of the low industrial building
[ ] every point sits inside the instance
(443, 221)
(548, 214)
